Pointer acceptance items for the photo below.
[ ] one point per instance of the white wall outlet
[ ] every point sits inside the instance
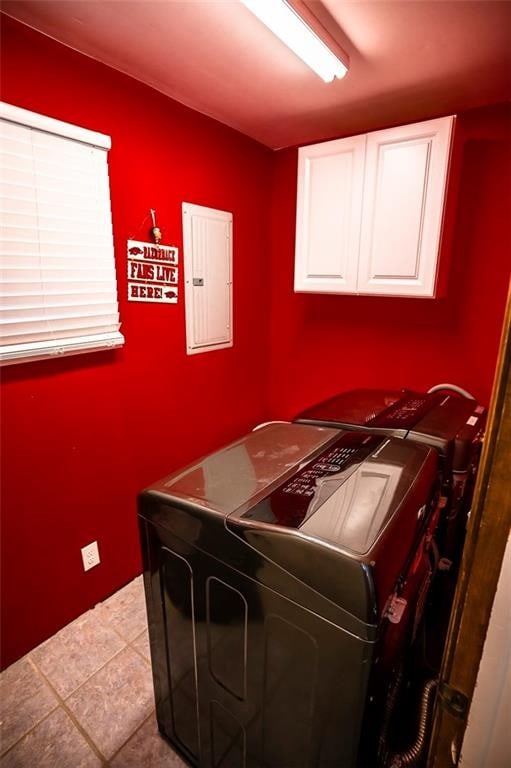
(90, 556)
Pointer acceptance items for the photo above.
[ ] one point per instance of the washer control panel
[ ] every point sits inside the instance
(288, 504)
(331, 462)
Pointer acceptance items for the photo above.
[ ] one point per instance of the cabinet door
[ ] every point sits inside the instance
(405, 179)
(329, 206)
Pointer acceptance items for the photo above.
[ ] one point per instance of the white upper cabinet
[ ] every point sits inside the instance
(369, 211)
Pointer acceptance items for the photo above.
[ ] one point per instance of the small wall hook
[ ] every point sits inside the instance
(155, 231)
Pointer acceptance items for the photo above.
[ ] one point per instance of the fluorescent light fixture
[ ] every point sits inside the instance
(287, 25)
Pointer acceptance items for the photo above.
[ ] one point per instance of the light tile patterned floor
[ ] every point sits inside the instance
(84, 698)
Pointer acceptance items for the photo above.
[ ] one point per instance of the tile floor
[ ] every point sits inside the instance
(84, 698)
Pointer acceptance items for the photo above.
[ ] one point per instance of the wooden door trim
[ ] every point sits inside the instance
(487, 535)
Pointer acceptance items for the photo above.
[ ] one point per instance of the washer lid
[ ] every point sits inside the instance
(348, 522)
(347, 494)
(244, 471)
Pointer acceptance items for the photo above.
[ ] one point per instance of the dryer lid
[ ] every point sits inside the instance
(357, 407)
(386, 411)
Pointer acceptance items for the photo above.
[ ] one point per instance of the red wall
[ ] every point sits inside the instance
(323, 344)
(81, 436)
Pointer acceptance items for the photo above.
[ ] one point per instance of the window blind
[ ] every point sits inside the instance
(58, 291)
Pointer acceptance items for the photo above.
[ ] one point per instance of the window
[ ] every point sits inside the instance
(58, 291)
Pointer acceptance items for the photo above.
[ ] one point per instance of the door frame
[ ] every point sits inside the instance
(487, 534)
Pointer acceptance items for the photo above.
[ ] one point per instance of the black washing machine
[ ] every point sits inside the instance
(445, 420)
(285, 576)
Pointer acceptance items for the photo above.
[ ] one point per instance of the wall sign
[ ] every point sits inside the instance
(152, 272)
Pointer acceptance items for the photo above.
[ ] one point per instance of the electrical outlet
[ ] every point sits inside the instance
(90, 556)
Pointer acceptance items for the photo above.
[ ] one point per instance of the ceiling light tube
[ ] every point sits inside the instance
(289, 27)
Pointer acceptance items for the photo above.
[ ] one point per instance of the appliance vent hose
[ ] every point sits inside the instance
(411, 757)
(453, 388)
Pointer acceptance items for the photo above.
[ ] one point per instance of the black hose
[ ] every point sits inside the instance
(410, 758)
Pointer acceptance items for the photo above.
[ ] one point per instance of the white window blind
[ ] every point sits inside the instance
(58, 291)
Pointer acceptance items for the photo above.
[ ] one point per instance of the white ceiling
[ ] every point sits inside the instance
(409, 59)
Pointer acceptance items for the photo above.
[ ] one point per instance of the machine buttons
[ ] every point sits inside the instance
(407, 409)
(326, 467)
(329, 463)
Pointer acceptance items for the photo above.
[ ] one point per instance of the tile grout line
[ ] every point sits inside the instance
(137, 729)
(61, 702)
(104, 622)
(105, 625)
(32, 728)
(132, 646)
(127, 644)
(86, 679)
(119, 634)
(28, 657)
(70, 714)
(144, 658)
(130, 643)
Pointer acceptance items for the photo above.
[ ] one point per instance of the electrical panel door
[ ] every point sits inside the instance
(207, 244)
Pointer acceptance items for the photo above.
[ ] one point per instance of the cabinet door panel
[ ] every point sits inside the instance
(405, 177)
(329, 205)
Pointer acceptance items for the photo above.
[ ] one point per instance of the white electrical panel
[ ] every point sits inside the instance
(207, 248)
